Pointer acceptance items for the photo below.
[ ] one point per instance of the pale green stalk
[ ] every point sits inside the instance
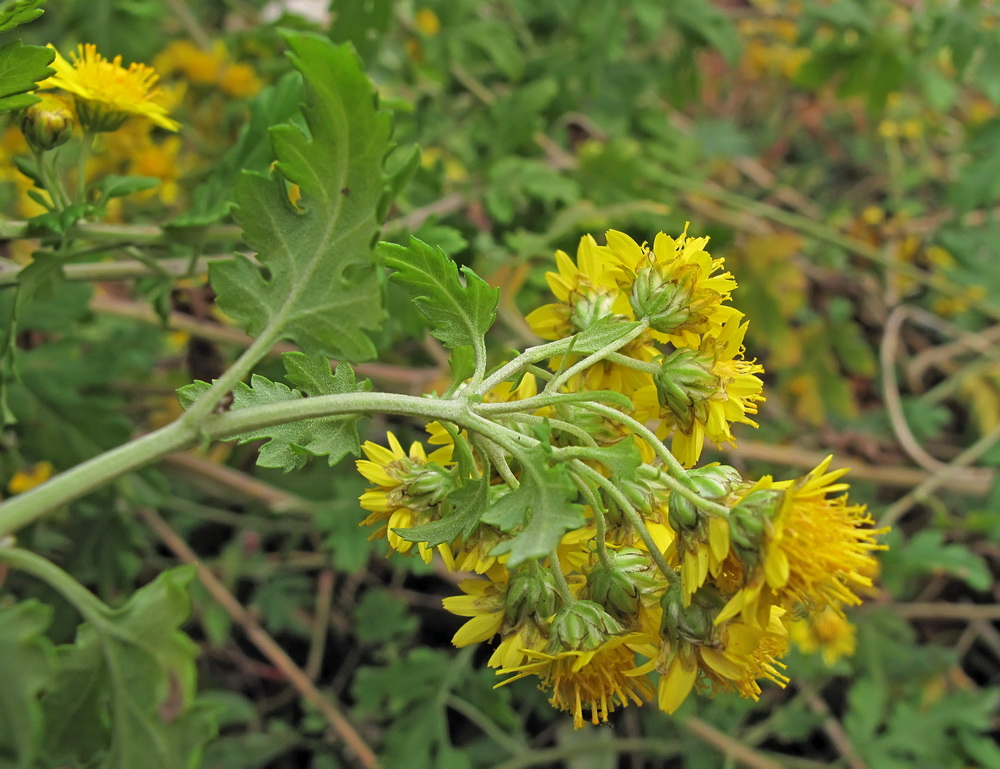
(556, 384)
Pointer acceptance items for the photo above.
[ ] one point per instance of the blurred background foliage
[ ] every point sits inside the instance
(844, 156)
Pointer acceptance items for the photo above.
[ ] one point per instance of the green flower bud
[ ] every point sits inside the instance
(685, 382)
(665, 304)
(47, 124)
(712, 482)
(617, 587)
(591, 308)
(581, 626)
(424, 486)
(694, 623)
(750, 518)
(531, 593)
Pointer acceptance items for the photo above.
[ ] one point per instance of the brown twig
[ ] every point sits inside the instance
(832, 727)
(895, 511)
(221, 480)
(727, 745)
(885, 475)
(970, 612)
(263, 641)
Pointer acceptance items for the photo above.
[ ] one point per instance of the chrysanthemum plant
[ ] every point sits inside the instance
(610, 564)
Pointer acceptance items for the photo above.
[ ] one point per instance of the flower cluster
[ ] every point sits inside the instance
(685, 369)
(663, 578)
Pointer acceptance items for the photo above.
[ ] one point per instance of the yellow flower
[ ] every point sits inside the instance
(588, 292)
(409, 486)
(239, 80)
(597, 680)
(106, 92)
(734, 658)
(813, 551)
(427, 22)
(828, 632)
(705, 391)
(196, 64)
(31, 476)
(483, 602)
(674, 284)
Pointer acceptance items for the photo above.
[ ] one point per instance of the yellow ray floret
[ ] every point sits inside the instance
(106, 92)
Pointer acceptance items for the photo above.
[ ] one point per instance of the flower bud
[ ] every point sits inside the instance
(685, 382)
(581, 626)
(617, 587)
(48, 123)
(749, 518)
(714, 483)
(531, 593)
(664, 303)
(425, 486)
(694, 623)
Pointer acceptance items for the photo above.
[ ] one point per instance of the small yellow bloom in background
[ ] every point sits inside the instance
(31, 476)
(427, 22)
(107, 93)
(828, 632)
(239, 80)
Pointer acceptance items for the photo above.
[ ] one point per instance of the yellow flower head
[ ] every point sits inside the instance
(106, 92)
(408, 488)
(705, 391)
(484, 603)
(588, 292)
(674, 284)
(812, 550)
(828, 632)
(29, 477)
(733, 657)
(597, 680)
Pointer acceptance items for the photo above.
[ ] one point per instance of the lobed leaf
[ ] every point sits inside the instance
(27, 664)
(460, 313)
(14, 13)
(290, 446)
(319, 287)
(21, 69)
(541, 510)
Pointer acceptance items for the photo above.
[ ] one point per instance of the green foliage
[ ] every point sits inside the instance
(13, 13)
(27, 665)
(21, 68)
(540, 510)
(290, 446)
(322, 292)
(927, 553)
(459, 314)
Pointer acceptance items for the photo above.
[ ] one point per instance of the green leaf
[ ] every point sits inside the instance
(927, 553)
(541, 510)
(115, 186)
(382, 618)
(27, 663)
(460, 313)
(321, 288)
(290, 446)
(13, 13)
(213, 198)
(126, 689)
(21, 68)
(466, 504)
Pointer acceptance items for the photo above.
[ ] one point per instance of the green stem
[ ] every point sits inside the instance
(138, 234)
(85, 602)
(649, 367)
(78, 481)
(633, 517)
(527, 358)
(86, 145)
(556, 384)
(562, 586)
(600, 519)
(556, 399)
(559, 424)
